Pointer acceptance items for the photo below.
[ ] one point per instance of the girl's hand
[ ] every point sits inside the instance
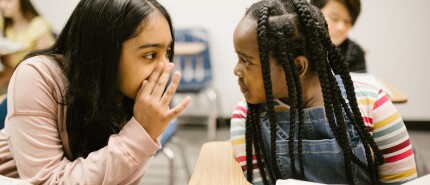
(151, 108)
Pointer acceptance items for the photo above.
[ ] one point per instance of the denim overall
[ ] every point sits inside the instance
(322, 155)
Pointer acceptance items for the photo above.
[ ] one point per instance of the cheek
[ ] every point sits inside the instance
(134, 80)
(279, 83)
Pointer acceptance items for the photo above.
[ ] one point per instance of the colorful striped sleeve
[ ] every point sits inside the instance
(237, 139)
(390, 135)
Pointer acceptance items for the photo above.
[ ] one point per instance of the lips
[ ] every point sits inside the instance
(243, 88)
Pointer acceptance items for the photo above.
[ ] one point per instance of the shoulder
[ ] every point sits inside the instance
(39, 21)
(364, 90)
(36, 86)
(44, 66)
(354, 46)
(240, 110)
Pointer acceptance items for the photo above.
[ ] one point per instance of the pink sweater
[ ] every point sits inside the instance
(34, 143)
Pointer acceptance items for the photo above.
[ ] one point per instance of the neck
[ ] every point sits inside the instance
(19, 20)
(312, 93)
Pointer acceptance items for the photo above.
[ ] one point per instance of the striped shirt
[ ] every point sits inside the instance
(381, 118)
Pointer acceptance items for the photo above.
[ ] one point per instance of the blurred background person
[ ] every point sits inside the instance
(21, 23)
(341, 16)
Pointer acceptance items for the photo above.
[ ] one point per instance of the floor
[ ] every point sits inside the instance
(192, 137)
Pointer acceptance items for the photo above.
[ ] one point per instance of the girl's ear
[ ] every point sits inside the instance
(302, 65)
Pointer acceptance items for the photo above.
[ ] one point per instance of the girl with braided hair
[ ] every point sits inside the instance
(341, 16)
(303, 117)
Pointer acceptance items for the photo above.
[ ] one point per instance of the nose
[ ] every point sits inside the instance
(340, 26)
(237, 70)
(343, 26)
(165, 60)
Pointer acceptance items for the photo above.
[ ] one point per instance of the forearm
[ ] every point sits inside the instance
(40, 158)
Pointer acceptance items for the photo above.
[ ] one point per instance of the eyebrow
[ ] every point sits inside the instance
(244, 55)
(149, 46)
(152, 45)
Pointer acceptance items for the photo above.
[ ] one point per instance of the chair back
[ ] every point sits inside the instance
(196, 67)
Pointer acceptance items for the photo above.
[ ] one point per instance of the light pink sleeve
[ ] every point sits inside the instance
(38, 150)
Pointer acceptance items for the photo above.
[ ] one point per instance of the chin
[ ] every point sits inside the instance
(252, 101)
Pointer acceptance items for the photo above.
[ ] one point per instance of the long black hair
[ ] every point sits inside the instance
(27, 10)
(289, 29)
(88, 51)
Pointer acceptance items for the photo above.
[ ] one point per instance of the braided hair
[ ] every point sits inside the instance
(288, 29)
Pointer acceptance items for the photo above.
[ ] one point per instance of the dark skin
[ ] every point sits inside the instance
(248, 70)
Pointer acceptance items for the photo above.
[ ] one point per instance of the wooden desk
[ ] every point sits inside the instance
(216, 165)
(396, 96)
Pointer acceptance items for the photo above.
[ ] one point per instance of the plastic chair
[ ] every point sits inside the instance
(169, 136)
(3, 112)
(193, 60)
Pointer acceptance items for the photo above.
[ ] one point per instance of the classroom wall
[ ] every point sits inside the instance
(396, 36)
(394, 33)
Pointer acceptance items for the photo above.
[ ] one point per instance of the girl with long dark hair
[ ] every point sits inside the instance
(89, 110)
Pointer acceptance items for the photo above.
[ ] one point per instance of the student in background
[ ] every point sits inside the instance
(89, 110)
(21, 23)
(301, 121)
(341, 15)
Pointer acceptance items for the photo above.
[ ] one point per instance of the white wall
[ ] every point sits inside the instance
(57, 12)
(395, 33)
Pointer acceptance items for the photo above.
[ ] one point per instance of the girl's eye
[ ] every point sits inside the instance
(246, 62)
(150, 56)
(334, 18)
(168, 52)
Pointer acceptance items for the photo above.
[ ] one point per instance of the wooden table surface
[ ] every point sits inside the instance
(216, 165)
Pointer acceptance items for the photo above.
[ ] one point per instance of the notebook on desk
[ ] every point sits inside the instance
(296, 182)
(8, 47)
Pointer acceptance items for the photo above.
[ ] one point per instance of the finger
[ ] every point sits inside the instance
(153, 79)
(140, 90)
(179, 108)
(162, 81)
(168, 95)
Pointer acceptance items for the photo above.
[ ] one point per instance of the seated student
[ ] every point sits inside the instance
(22, 24)
(303, 117)
(89, 110)
(341, 16)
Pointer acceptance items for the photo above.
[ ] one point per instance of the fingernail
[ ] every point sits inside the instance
(170, 66)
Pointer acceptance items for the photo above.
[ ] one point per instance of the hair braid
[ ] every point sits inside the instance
(259, 145)
(292, 95)
(324, 72)
(301, 113)
(356, 118)
(248, 144)
(262, 32)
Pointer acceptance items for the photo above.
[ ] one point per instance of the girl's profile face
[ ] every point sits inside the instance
(338, 20)
(248, 67)
(141, 54)
(9, 8)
